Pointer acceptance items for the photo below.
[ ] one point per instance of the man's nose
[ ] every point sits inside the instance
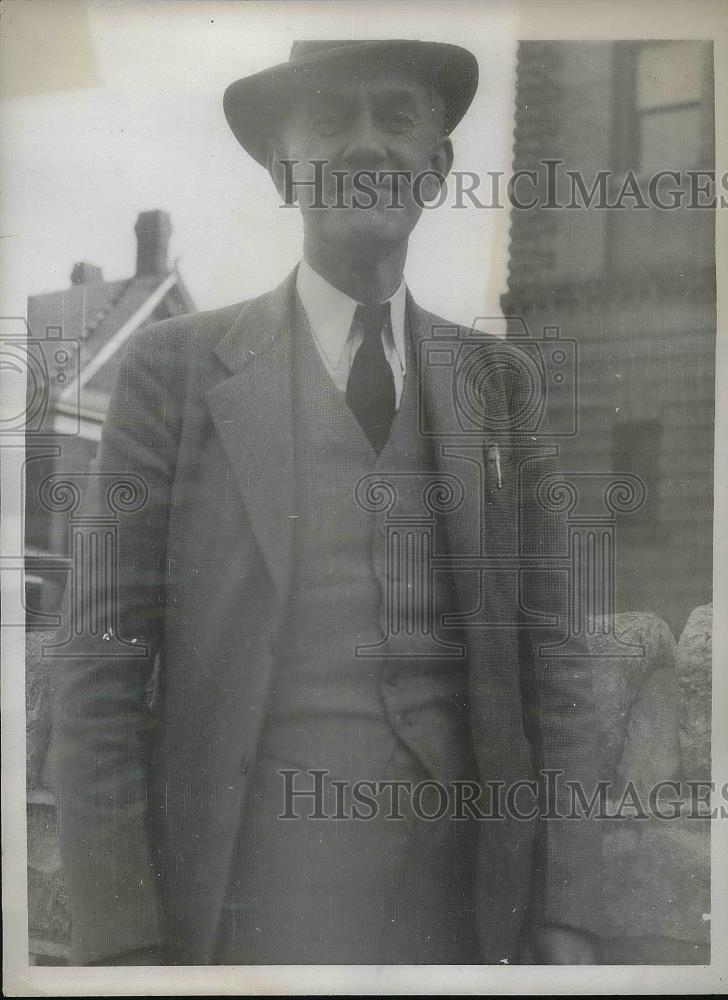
(364, 141)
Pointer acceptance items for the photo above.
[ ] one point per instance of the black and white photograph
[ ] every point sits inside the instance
(362, 496)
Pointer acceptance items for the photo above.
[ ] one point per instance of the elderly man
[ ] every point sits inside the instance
(303, 666)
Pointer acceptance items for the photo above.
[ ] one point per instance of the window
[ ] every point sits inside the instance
(663, 91)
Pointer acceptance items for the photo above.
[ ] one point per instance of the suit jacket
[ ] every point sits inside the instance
(151, 796)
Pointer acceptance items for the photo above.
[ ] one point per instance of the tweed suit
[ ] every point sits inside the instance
(152, 798)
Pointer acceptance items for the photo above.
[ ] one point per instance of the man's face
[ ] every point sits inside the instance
(364, 129)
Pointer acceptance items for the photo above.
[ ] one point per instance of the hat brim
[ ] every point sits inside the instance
(254, 105)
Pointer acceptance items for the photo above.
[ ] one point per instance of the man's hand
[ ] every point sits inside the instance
(546, 945)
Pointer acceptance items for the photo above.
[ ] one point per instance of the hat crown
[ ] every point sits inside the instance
(304, 48)
(255, 104)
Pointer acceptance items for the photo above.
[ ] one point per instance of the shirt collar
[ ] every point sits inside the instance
(331, 313)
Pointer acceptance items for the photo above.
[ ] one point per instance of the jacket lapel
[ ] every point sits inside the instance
(471, 442)
(252, 412)
(253, 415)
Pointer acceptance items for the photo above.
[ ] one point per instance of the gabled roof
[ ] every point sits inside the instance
(139, 291)
(78, 309)
(101, 316)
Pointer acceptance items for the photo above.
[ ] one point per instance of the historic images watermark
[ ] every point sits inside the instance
(46, 411)
(92, 612)
(500, 408)
(40, 407)
(49, 368)
(314, 795)
(493, 458)
(550, 185)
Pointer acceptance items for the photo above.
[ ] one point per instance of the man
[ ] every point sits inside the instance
(303, 473)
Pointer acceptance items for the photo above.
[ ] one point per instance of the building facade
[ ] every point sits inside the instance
(84, 327)
(618, 256)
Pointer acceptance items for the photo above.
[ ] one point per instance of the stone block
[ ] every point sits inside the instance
(694, 680)
(657, 881)
(651, 750)
(618, 680)
(38, 708)
(47, 901)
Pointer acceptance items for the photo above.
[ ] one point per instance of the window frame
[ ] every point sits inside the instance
(628, 117)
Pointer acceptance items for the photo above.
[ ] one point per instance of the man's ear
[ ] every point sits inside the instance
(280, 175)
(443, 157)
(440, 163)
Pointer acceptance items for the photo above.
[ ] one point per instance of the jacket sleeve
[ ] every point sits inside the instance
(102, 725)
(559, 711)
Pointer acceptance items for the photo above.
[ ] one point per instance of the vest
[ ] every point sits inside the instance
(351, 682)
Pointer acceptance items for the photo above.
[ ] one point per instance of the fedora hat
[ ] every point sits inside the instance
(255, 104)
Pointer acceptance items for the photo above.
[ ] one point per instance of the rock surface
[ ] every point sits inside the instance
(47, 904)
(652, 751)
(659, 884)
(618, 679)
(656, 873)
(38, 708)
(694, 677)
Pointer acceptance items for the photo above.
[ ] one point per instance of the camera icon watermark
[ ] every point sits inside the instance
(478, 368)
(39, 374)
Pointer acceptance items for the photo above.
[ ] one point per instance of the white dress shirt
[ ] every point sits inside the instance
(331, 314)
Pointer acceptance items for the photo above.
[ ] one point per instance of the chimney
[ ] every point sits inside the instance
(153, 230)
(84, 273)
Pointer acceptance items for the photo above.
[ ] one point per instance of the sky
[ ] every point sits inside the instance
(112, 108)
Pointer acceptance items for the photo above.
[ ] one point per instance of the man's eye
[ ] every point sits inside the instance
(399, 120)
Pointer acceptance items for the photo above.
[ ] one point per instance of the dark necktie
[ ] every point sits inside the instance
(370, 389)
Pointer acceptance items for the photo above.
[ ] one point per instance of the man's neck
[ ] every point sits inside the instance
(368, 281)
